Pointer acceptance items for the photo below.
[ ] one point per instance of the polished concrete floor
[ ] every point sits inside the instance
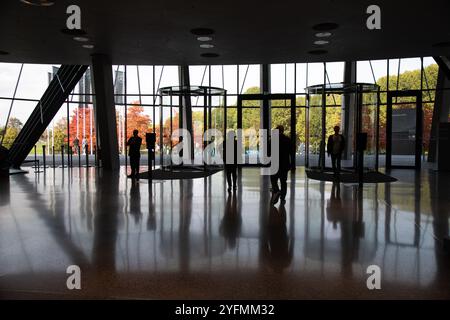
(191, 240)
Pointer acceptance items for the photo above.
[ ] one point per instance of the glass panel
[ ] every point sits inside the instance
(403, 132)
(335, 72)
(315, 129)
(301, 76)
(198, 128)
(300, 140)
(249, 78)
(369, 123)
(251, 124)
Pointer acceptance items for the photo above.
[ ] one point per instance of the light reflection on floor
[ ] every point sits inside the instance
(190, 239)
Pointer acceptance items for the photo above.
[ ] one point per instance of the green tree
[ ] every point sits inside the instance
(12, 131)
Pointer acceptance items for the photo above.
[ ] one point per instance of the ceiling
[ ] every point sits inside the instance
(246, 31)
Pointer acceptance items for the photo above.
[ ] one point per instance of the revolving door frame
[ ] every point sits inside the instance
(184, 93)
(357, 89)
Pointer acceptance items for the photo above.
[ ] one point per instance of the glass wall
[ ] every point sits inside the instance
(137, 102)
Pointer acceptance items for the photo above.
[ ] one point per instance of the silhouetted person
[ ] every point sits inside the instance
(285, 148)
(134, 152)
(230, 226)
(76, 145)
(335, 147)
(231, 166)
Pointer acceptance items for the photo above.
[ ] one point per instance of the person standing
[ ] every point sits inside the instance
(84, 143)
(134, 152)
(335, 147)
(231, 164)
(76, 145)
(285, 149)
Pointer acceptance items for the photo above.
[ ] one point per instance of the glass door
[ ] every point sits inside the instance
(404, 129)
(259, 111)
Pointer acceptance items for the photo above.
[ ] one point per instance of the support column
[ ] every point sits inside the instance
(440, 111)
(105, 112)
(348, 113)
(185, 106)
(265, 90)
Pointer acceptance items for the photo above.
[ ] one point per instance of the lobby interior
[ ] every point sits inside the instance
(65, 203)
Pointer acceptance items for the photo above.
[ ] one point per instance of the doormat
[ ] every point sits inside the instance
(159, 174)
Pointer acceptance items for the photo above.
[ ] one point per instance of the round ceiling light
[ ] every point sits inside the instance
(88, 46)
(323, 34)
(3, 53)
(317, 52)
(326, 26)
(206, 46)
(81, 39)
(202, 31)
(204, 38)
(321, 42)
(38, 3)
(209, 55)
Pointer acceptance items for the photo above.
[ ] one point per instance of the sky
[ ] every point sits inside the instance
(34, 80)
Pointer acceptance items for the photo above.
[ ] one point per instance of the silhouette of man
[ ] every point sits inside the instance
(76, 145)
(335, 147)
(285, 147)
(134, 152)
(231, 166)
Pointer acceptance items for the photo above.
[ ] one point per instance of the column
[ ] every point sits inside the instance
(105, 112)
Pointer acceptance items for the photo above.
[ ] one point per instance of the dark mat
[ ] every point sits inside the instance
(346, 177)
(159, 174)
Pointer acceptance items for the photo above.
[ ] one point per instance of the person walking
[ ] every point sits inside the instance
(284, 151)
(134, 152)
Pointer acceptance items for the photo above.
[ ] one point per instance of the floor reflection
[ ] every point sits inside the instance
(190, 238)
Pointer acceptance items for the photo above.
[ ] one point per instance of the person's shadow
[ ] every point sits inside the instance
(230, 226)
(335, 212)
(135, 202)
(278, 245)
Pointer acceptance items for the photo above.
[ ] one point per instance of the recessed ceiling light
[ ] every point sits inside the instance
(38, 3)
(206, 46)
(321, 42)
(88, 46)
(81, 39)
(204, 38)
(317, 52)
(74, 32)
(202, 31)
(323, 34)
(326, 26)
(209, 55)
(3, 53)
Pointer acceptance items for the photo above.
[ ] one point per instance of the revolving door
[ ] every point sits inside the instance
(355, 109)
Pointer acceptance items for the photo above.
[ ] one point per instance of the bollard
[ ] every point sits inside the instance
(71, 156)
(95, 156)
(35, 157)
(53, 157)
(62, 156)
(87, 155)
(79, 157)
(43, 157)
